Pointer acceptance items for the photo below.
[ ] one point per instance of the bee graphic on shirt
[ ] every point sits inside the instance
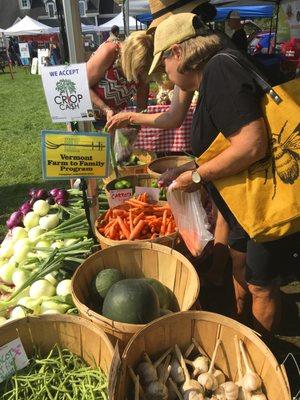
(284, 158)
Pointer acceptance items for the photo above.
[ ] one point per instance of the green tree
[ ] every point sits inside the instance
(65, 86)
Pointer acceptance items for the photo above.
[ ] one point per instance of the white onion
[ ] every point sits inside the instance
(64, 288)
(19, 233)
(41, 288)
(49, 221)
(41, 207)
(31, 220)
(6, 249)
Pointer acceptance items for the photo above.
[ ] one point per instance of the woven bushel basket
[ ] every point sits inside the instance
(135, 261)
(161, 165)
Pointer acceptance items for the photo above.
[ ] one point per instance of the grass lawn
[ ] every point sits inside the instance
(23, 115)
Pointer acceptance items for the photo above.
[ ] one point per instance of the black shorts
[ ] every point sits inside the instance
(268, 261)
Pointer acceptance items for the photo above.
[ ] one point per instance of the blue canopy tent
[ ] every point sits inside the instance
(253, 11)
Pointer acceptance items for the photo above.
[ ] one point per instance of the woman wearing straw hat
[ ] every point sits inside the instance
(229, 102)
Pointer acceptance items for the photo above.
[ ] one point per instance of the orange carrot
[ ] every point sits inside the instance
(123, 227)
(138, 202)
(137, 230)
(164, 223)
(137, 218)
(131, 221)
(107, 215)
(117, 212)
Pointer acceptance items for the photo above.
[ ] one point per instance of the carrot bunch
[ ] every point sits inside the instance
(138, 219)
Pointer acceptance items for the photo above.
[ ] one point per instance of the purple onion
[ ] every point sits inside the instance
(25, 208)
(41, 194)
(54, 192)
(10, 224)
(16, 218)
(32, 192)
(61, 201)
(50, 200)
(32, 201)
(62, 193)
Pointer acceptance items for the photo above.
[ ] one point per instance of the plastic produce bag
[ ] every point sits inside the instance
(124, 142)
(190, 218)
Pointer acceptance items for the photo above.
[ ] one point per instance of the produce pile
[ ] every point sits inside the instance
(61, 375)
(193, 376)
(46, 242)
(136, 219)
(132, 161)
(126, 184)
(133, 301)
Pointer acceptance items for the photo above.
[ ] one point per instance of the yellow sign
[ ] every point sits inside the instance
(75, 155)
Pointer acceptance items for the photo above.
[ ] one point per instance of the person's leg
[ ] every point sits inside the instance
(242, 296)
(266, 308)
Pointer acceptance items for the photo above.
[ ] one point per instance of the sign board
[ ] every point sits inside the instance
(153, 193)
(24, 50)
(34, 66)
(67, 93)
(119, 196)
(67, 155)
(12, 358)
(42, 53)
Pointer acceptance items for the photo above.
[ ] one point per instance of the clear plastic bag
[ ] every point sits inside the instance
(124, 143)
(190, 218)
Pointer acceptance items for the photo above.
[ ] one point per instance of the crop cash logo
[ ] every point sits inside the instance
(68, 98)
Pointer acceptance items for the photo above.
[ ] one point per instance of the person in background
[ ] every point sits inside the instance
(239, 36)
(54, 52)
(117, 72)
(114, 34)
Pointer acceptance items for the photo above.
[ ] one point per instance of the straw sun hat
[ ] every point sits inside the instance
(162, 9)
(175, 29)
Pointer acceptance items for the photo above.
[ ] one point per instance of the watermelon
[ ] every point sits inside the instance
(173, 302)
(164, 311)
(132, 301)
(160, 290)
(104, 281)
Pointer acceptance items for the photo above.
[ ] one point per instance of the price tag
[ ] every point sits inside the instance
(12, 358)
(119, 196)
(153, 193)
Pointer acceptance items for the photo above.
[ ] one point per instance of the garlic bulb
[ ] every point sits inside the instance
(219, 393)
(157, 391)
(250, 381)
(200, 365)
(219, 376)
(193, 395)
(176, 372)
(189, 384)
(147, 372)
(207, 379)
(231, 390)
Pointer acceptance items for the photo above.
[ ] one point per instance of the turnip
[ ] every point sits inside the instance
(41, 288)
(31, 220)
(41, 207)
(49, 221)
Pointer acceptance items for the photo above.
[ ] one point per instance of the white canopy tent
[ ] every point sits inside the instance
(29, 26)
(118, 20)
(89, 28)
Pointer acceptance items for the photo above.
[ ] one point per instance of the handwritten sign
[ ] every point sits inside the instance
(119, 196)
(153, 193)
(68, 155)
(12, 358)
(67, 93)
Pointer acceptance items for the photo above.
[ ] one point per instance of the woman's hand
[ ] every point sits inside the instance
(120, 120)
(109, 114)
(185, 183)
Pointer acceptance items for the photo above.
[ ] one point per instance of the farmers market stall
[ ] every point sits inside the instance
(169, 140)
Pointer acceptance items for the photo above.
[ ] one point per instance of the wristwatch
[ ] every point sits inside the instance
(196, 178)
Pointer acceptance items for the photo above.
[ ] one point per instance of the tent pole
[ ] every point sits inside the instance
(76, 53)
(270, 32)
(276, 26)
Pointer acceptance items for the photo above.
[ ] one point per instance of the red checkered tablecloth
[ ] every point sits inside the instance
(169, 140)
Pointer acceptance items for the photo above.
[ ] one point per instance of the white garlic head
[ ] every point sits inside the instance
(193, 395)
(157, 391)
(208, 381)
(201, 365)
(219, 393)
(220, 376)
(231, 390)
(176, 372)
(251, 381)
(191, 385)
(147, 372)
